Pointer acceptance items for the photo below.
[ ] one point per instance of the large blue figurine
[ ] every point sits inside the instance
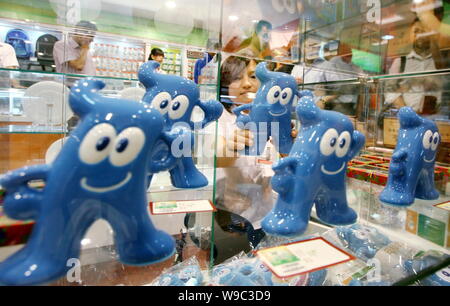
(411, 172)
(101, 172)
(363, 241)
(271, 108)
(314, 172)
(175, 98)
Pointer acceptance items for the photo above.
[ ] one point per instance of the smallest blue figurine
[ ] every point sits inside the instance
(270, 113)
(411, 171)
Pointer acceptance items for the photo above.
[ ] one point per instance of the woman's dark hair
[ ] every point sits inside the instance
(230, 71)
(155, 52)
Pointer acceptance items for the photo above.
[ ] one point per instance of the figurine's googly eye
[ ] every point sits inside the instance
(161, 102)
(278, 5)
(97, 143)
(343, 142)
(286, 96)
(127, 146)
(274, 95)
(329, 142)
(290, 6)
(435, 141)
(427, 139)
(178, 107)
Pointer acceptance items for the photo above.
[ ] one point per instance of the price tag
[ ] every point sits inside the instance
(302, 257)
(445, 206)
(179, 207)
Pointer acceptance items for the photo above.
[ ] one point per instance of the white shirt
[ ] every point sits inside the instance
(338, 70)
(7, 56)
(416, 89)
(309, 74)
(244, 188)
(69, 50)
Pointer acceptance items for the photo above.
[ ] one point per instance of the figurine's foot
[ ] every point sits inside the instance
(20, 270)
(189, 180)
(157, 248)
(283, 223)
(430, 195)
(391, 197)
(337, 217)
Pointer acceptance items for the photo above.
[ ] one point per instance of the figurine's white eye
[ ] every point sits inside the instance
(274, 95)
(329, 142)
(178, 107)
(127, 146)
(278, 5)
(97, 143)
(161, 102)
(290, 5)
(286, 96)
(343, 144)
(435, 141)
(427, 139)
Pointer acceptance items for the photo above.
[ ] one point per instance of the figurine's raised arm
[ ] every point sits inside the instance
(21, 201)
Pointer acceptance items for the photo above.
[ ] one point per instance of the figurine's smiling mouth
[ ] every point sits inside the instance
(85, 185)
(278, 114)
(428, 160)
(332, 172)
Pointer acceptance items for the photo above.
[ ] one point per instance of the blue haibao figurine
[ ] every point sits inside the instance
(272, 105)
(175, 98)
(411, 172)
(314, 172)
(101, 172)
(362, 240)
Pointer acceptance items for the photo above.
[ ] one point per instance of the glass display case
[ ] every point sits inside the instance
(363, 59)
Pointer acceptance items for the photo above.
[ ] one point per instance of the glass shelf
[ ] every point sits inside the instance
(30, 129)
(67, 75)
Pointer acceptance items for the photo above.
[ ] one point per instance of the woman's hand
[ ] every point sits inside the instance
(239, 140)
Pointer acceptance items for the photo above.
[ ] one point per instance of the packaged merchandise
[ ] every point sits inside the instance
(186, 273)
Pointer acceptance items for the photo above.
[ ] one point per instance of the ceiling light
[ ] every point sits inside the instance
(171, 4)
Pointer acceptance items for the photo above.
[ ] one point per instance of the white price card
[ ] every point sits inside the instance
(302, 257)
(179, 207)
(445, 206)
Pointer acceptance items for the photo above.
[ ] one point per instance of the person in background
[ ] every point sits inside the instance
(243, 192)
(8, 57)
(200, 63)
(72, 55)
(258, 45)
(422, 94)
(340, 98)
(156, 54)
